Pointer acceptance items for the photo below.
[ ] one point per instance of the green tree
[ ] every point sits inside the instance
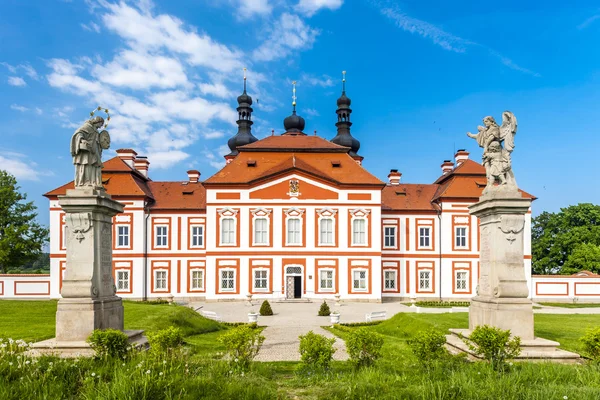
(21, 237)
(567, 241)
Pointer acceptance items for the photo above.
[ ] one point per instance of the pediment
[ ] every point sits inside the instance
(293, 187)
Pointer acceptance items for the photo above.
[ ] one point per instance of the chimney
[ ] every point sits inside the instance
(193, 176)
(394, 177)
(461, 156)
(447, 166)
(142, 164)
(127, 155)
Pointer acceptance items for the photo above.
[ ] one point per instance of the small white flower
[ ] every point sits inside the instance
(93, 374)
(565, 397)
(236, 360)
(160, 374)
(27, 362)
(10, 364)
(242, 374)
(50, 363)
(165, 361)
(123, 364)
(147, 372)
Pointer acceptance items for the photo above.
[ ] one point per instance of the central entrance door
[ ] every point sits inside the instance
(293, 282)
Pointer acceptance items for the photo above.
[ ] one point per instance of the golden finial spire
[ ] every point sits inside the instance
(244, 79)
(294, 94)
(343, 81)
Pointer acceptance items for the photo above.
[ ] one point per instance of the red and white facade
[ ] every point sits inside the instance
(290, 216)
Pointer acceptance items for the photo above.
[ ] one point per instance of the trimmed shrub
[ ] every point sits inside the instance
(316, 351)
(364, 347)
(109, 343)
(591, 343)
(165, 340)
(242, 343)
(265, 309)
(324, 311)
(494, 345)
(428, 346)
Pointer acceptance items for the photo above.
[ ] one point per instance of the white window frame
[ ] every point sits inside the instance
(255, 232)
(365, 233)
(119, 235)
(125, 282)
(192, 279)
(232, 231)
(332, 232)
(157, 236)
(266, 279)
(199, 237)
(466, 289)
(394, 228)
(464, 237)
(288, 236)
(156, 280)
(428, 228)
(233, 277)
(323, 271)
(429, 279)
(356, 271)
(395, 280)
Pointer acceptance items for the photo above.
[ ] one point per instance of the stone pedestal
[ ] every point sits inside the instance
(502, 293)
(88, 291)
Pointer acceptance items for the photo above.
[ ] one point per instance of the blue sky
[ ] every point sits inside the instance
(419, 75)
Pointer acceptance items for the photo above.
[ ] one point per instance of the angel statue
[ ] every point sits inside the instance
(497, 158)
(86, 149)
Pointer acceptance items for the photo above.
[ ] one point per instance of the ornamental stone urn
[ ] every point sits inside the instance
(337, 299)
(334, 317)
(252, 317)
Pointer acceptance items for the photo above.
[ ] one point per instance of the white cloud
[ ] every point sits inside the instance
(16, 81)
(38, 111)
(248, 8)
(25, 68)
(311, 112)
(18, 108)
(217, 89)
(310, 7)
(444, 39)
(165, 159)
(588, 21)
(91, 27)
(291, 33)
(145, 31)
(323, 81)
(140, 70)
(18, 165)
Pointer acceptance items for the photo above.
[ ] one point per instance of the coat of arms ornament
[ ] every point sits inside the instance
(294, 188)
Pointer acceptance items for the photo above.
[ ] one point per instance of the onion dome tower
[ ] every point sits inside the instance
(343, 124)
(244, 135)
(294, 124)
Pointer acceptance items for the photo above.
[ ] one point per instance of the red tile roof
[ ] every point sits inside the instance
(408, 197)
(178, 195)
(269, 164)
(295, 143)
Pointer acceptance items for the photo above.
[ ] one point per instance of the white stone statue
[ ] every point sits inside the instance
(497, 158)
(86, 149)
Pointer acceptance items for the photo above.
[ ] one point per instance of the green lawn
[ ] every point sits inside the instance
(572, 305)
(201, 375)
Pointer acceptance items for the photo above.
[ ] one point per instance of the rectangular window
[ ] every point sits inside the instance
(227, 231)
(326, 231)
(424, 237)
(462, 281)
(461, 236)
(197, 279)
(228, 280)
(359, 280)
(261, 279)
(160, 280)
(359, 232)
(162, 232)
(389, 278)
(326, 279)
(197, 233)
(123, 236)
(294, 231)
(424, 280)
(389, 236)
(122, 281)
(261, 231)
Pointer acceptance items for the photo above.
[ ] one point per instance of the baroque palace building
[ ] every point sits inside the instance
(289, 216)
